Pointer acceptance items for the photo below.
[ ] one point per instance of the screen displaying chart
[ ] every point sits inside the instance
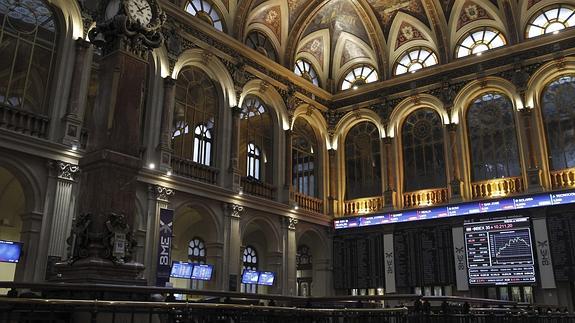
(500, 252)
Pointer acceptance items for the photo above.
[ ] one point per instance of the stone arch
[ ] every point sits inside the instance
(410, 104)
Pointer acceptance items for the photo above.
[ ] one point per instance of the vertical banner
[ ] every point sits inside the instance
(460, 258)
(543, 253)
(389, 263)
(165, 247)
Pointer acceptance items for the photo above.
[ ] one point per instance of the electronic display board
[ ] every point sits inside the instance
(266, 278)
(250, 277)
(462, 209)
(10, 251)
(202, 272)
(500, 252)
(181, 269)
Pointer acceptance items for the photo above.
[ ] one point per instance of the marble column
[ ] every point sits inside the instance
(167, 123)
(78, 93)
(232, 269)
(29, 268)
(289, 280)
(158, 198)
(288, 164)
(234, 180)
(455, 178)
(332, 197)
(533, 171)
(215, 257)
(389, 174)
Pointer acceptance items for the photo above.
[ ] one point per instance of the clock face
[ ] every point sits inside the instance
(139, 10)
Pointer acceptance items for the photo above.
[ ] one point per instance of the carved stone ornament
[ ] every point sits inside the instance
(235, 210)
(120, 32)
(162, 193)
(66, 170)
(105, 236)
(292, 222)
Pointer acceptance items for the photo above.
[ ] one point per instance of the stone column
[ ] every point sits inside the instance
(167, 123)
(62, 206)
(232, 270)
(332, 197)
(234, 181)
(455, 180)
(289, 280)
(215, 257)
(288, 165)
(158, 198)
(78, 93)
(533, 172)
(389, 174)
(29, 267)
(275, 263)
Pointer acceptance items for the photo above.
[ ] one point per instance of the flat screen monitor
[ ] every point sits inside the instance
(181, 269)
(266, 278)
(10, 251)
(202, 272)
(250, 277)
(500, 252)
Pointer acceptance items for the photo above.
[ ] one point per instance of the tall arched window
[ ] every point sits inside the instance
(258, 41)
(304, 270)
(414, 60)
(202, 145)
(423, 151)
(559, 118)
(304, 151)
(28, 37)
(196, 109)
(479, 41)
(550, 21)
(358, 76)
(363, 161)
(256, 137)
(206, 11)
(492, 139)
(250, 262)
(304, 69)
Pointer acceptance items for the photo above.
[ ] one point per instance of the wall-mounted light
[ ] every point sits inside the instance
(152, 166)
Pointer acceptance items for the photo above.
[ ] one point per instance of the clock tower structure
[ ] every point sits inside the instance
(102, 239)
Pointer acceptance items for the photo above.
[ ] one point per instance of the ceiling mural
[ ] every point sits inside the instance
(315, 47)
(351, 51)
(295, 8)
(271, 17)
(407, 33)
(386, 11)
(471, 12)
(531, 3)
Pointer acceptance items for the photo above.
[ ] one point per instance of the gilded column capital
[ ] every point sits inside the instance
(162, 193)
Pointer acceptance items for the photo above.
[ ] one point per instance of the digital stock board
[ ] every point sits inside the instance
(463, 209)
(500, 252)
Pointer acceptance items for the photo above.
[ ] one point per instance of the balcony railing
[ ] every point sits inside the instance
(564, 178)
(307, 202)
(425, 197)
(199, 172)
(255, 187)
(23, 121)
(363, 205)
(497, 187)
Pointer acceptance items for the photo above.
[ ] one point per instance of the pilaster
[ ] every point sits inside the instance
(231, 271)
(167, 123)
(289, 281)
(533, 171)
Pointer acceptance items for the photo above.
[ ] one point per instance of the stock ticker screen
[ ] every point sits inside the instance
(500, 252)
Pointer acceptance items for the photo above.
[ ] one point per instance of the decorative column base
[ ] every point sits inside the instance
(100, 271)
(455, 186)
(534, 180)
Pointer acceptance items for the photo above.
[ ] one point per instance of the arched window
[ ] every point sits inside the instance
(258, 41)
(304, 69)
(28, 37)
(363, 161)
(492, 139)
(559, 118)
(250, 262)
(304, 270)
(195, 108)
(414, 60)
(479, 41)
(423, 151)
(197, 251)
(551, 20)
(304, 167)
(358, 76)
(202, 145)
(254, 160)
(206, 11)
(256, 140)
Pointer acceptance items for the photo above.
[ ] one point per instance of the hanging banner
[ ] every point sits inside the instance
(459, 256)
(165, 247)
(546, 273)
(389, 263)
